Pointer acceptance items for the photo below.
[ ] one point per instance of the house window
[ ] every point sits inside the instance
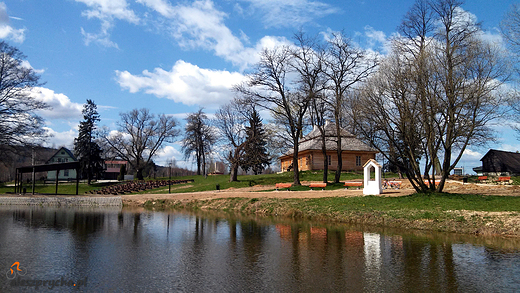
(358, 160)
(329, 159)
(66, 173)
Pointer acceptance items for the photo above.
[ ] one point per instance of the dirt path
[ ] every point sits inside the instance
(260, 192)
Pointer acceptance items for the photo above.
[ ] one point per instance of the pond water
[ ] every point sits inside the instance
(111, 250)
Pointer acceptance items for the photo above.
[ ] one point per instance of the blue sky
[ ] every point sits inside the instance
(176, 56)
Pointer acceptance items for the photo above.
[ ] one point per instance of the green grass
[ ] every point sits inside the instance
(210, 182)
(433, 202)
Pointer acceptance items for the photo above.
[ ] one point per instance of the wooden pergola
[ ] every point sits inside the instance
(18, 182)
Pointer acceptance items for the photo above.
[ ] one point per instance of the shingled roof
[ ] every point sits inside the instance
(349, 142)
(501, 161)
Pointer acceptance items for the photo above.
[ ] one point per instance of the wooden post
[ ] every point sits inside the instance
(16, 181)
(57, 175)
(33, 179)
(77, 181)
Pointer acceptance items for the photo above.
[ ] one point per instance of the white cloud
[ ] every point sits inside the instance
(202, 25)
(374, 37)
(57, 139)
(162, 7)
(109, 9)
(185, 83)
(28, 65)
(61, 106)
(292, 13)
(106, 11)
(164, 155)
(510, 147)
(6, 30)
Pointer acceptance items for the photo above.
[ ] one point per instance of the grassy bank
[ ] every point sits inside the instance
(462, 213)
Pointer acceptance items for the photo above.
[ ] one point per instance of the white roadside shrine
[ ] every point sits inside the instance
(372, 187)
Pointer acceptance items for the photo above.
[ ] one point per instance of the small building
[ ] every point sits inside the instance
(500, 163)
(113, 168)
(458, 171)
(63, 155)
(310, 156)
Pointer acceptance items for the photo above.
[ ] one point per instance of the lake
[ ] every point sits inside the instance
(133, 250)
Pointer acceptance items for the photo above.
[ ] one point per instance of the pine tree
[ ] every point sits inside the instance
(86, 150)
(255, 150)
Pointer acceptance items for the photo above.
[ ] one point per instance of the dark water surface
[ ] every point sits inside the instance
(111, 250)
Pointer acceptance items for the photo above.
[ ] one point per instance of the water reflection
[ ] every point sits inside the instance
(126, 250)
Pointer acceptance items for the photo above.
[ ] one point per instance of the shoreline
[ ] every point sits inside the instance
(332, 206)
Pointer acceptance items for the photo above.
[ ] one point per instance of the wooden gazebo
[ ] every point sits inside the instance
(18, 185)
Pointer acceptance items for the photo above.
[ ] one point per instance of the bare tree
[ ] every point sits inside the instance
(269, 87)
(510, 27)
(198, 139)
(140, 135)
(308, 62)
(230, 120)
(19, 123)
(435, 94)
(345, 67)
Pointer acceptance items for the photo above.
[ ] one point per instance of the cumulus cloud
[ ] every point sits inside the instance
(184, 83)
(375, 38)
(164, 155)
(201, 25)
(57, 139)
(61, 105)
(294, 13)
(6, 30)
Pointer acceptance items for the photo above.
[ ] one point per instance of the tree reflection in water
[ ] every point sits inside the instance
(194, 252)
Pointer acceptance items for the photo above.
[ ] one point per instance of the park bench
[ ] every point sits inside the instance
(428, 182)
(504, 179)
(318, 185)
(357, 184)
(283, 185)
(482, 178)
(393, 184)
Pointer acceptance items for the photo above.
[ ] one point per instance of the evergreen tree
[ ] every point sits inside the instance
(255, 150)
(86, 150)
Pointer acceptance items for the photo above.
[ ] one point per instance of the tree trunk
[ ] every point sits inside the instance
(233, 174)
(325, 161)
(337, 178)
(139, 174)
(296, 173)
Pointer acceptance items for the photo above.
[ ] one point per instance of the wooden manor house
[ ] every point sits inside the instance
(310, 156)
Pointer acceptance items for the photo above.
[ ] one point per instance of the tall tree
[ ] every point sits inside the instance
(140, 135)
(269, 87)
(435, 94)
(308, 62)
(19, 123)
(510, 27)
(255, 148)
(230, 120)
(345, 67)
(198, 139)
(86, 149)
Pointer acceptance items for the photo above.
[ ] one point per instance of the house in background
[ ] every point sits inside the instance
(310, 157)
(113, 168)
(499, 163)
(63, 155)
